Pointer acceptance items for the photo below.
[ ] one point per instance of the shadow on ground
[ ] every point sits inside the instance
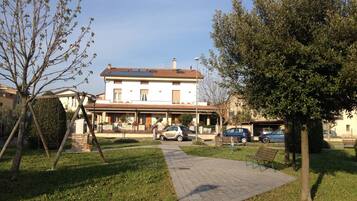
(71, 173)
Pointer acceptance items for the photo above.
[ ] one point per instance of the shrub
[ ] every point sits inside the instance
(355, 149)
(52, 119)
(198, 142)
(125, 140)
(186, 119)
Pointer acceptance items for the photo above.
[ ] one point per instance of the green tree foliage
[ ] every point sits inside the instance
(290, 59)
(186, 119)
(52, 119)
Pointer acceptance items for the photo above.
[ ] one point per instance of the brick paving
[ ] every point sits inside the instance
(202, 178)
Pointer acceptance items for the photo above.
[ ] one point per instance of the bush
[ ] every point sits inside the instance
(186, 119)
(52, 119)
(198, 142)
(125, 140)
(315, 132)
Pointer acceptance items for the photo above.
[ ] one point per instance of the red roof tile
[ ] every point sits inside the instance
(150, 72)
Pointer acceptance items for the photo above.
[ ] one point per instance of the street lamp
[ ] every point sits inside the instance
(196, 127)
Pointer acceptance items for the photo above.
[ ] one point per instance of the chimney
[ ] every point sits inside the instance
(174, 63)
(109, 66)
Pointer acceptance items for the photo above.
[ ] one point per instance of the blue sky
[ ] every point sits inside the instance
(149, 33)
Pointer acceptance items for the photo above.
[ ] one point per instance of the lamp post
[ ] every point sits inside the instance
(196, 127)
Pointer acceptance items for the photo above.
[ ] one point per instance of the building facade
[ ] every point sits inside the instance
(8, 97)
(136, 98)
(69, 100)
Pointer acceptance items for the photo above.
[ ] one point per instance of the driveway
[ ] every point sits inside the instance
(202, 178)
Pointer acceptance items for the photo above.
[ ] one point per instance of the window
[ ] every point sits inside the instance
(117, 95)
(175, 96)
(348, 128)
(117, 81)
(144, 94)
(175, 83)
(172, 128)
(144, 82)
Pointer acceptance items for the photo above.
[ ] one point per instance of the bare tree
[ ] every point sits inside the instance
(42, 47)
(212, 90)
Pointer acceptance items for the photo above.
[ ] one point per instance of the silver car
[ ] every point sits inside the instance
(175, 132)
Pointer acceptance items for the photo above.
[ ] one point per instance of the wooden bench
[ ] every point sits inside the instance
(348, 142)
(263, 156)
(225, 140)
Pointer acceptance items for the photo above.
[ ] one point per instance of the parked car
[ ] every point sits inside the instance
(243, 134)
(175, 132)
(275, 136)
(333, 134)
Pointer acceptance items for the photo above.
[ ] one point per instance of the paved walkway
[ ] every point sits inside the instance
(202, 178)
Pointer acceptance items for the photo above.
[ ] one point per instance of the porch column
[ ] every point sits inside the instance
(104, 117)
(136, 126)
(208, 123)
(167, 118)
(93, 119)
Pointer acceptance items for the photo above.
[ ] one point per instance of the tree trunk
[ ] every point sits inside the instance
(221, 125)
(305, 163)
(287, 133)
(19, 144)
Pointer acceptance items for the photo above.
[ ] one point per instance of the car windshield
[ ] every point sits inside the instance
(171, 128)
(184, 128)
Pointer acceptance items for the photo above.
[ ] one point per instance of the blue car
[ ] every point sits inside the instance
(243, 134)
(275, 136)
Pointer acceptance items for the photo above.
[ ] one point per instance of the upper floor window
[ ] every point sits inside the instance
(175, 83)
(117, 95)
(144, 94)
(348, 128)
(144, 82)
(117, 81)
(175, 96)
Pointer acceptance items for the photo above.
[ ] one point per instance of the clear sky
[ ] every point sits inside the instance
(149, 33)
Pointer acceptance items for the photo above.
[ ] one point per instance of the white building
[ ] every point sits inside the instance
(346, 126)
(140, 96)
(69, 100)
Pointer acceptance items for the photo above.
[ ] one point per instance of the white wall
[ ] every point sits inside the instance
(160, 92)
(70, 103)
(340, 126)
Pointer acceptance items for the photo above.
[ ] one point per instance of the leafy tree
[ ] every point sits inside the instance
(186, 119)
(290, 59)
(52, 119)
(42, 47)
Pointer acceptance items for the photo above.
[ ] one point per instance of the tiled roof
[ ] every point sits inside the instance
(150, 72)
(7, 89)
(123, 106)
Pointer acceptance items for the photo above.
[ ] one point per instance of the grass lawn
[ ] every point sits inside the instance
(131, 174)
(112, 143)
(333, 173)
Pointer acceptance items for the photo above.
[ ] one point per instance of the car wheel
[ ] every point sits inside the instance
(162, 138)
(244, 140)
(265, 140)
(179, 138)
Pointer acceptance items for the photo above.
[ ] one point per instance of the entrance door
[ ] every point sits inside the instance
(148, 121)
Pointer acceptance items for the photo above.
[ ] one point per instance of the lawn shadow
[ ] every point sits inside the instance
(32, 183)
(200, 189)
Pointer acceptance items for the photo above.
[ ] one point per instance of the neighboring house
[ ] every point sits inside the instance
(257, 124)
(141, 96)
(345, 126)
(8, 97)
(69, 100)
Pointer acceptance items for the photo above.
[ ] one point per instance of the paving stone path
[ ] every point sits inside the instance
(202, 178)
